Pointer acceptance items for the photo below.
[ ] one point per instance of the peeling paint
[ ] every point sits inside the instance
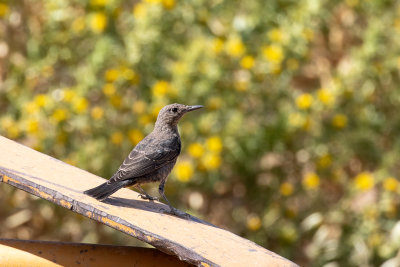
(65, 204)
(41, 193)
(36, 191)
(119, 226)
(151, 238)
(6, 179)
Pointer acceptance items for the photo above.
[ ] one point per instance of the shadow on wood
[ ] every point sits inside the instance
(192, 240)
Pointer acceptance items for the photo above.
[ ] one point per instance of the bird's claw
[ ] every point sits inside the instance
(176, 212)
(148, 197)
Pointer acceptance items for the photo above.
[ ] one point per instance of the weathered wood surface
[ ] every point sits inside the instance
(192, 240)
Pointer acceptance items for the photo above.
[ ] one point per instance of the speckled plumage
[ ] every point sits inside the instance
(152, 159)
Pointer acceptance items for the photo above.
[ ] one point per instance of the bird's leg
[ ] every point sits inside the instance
(172, 209)
(144, 195)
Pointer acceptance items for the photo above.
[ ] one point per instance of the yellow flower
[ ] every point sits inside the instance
(98, 22)
(80, 105)
(168, 4)
(214, 144)
(129, 75)
(311, 180)
(217, 45)
(196, 150)
(325, 161)
(180, 67)
(140, 10)
(97, 112)
(161, 88)
(111, 75)
(273, 53)
(32, 126)
(78, 24)
(304, 101)
(390, 184)
(247, 62)
(100, 3)
(253, 222)
(13, 132)
(47, 71)
(60, 114)
(32, 107)
(41, 100)
(275, 68)
(135, 136)
(69, 95)
(10, 127)
(71, 161)
(364, 181)
(339, 121)
(117, 138)
(235, 47)
(6, 122)
(145, 119)
(156, 109)
(325, 96)
(214, 103)
(296, 119)
(139, 107)
(184, 171)
(3, 9)
(116, 101)
(109, 89)
(286, 189)
(241, 85)
(276, 35)
(211, 161)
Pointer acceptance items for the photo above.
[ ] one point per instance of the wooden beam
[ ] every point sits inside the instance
(51, 254)
(192, 240)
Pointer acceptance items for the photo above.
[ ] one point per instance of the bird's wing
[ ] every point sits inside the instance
(144, 159)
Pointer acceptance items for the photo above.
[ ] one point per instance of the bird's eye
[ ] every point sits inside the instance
(174, 109)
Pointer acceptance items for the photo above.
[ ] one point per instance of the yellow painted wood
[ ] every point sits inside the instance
(192, 240)
(50, 254)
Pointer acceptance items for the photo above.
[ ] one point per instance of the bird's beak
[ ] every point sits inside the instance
(191, 108)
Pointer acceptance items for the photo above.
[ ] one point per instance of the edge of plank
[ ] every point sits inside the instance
(20, 180)
(167, 246)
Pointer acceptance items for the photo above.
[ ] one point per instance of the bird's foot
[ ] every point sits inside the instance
(176, 212)
(147, 196)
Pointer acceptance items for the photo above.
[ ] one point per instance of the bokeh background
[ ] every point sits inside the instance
(297, 148)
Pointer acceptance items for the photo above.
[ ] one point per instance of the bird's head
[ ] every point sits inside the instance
(171, 114)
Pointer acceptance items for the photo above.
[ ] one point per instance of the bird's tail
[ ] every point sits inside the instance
(103, 191)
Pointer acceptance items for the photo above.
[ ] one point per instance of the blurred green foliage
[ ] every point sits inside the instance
(297, 148)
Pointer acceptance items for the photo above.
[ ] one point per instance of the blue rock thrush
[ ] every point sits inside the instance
(151, 160)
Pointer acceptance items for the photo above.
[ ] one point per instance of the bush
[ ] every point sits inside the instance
(296, 149)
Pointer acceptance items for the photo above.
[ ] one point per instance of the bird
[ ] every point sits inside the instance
(151, 160)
